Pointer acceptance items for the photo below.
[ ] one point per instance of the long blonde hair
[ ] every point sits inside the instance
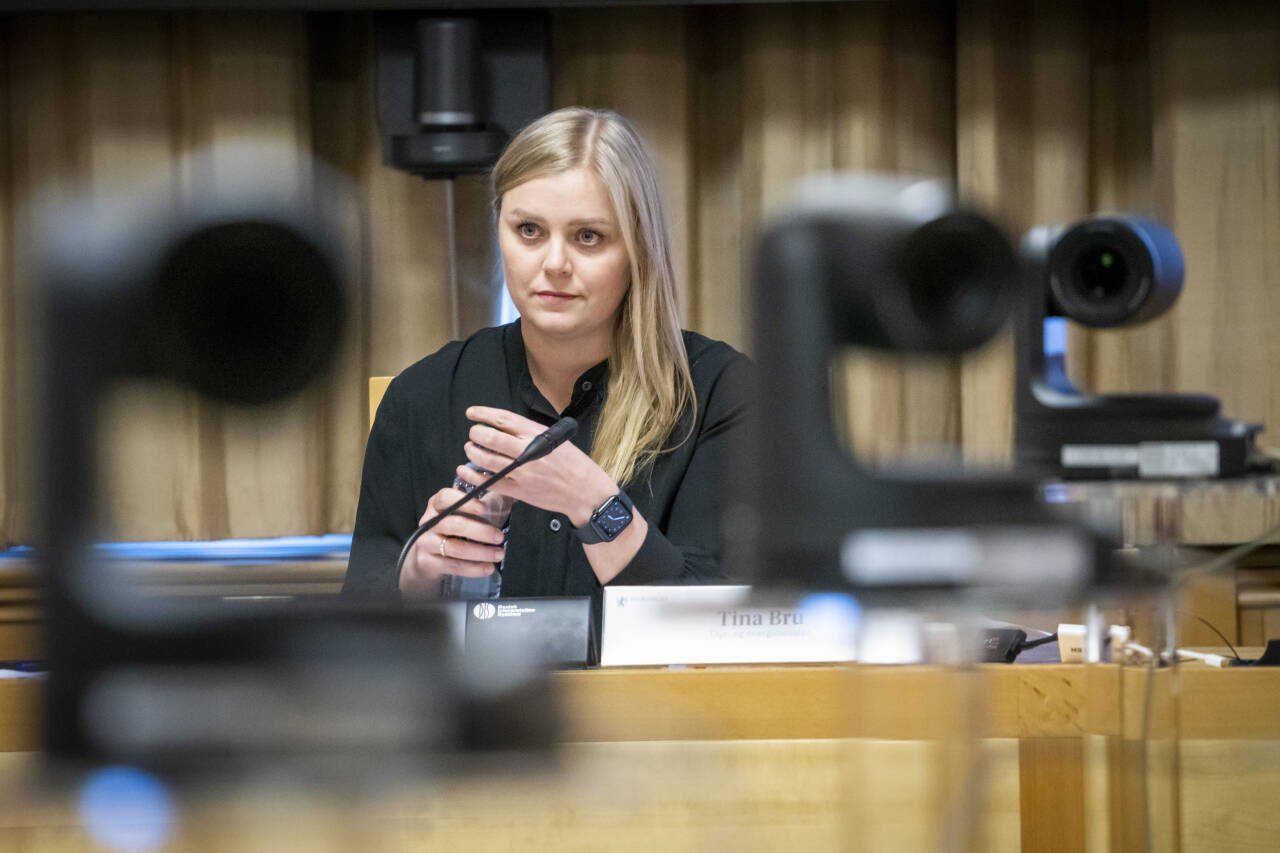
(650, 387)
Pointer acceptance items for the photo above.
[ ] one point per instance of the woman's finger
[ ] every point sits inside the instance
(465, 550)
(503, 420)
(444, 499)
(485, 458)
(467, 522)
(508, 444)
(469, 527)
(434, 565)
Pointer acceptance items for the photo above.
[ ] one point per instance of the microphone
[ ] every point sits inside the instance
(545, 442)
(541, 444)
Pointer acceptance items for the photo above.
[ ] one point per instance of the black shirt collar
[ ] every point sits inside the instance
(588, 389)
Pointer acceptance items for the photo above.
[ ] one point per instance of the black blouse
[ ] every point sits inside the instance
(420, 429)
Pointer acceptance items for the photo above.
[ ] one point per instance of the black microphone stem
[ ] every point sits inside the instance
(559, 432)
(450, 510)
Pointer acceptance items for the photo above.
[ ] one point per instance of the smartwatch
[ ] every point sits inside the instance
(609, 520)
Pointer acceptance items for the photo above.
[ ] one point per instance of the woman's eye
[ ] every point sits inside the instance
(527, 230)
(589, 237)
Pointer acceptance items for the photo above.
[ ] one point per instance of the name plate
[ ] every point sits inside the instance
(657, 625)
(543, 631)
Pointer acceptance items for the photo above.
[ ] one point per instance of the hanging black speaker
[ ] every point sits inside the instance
(453, 89)
(447, 91)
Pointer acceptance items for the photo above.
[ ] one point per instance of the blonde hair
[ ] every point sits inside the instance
(650, 387)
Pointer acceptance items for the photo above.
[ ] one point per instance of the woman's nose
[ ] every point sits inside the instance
(557, 261)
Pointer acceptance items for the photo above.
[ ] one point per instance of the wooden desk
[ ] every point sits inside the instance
(783, 758)
(20, 594)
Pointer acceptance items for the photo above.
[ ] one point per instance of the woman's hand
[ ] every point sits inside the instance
(461, 545)
(566, 480)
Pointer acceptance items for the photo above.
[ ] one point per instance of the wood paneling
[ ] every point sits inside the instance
(8, 362)
(1040, 111)
(1217, 120)
(637, 61)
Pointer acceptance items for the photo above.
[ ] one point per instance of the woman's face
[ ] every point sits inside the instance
(566, 265)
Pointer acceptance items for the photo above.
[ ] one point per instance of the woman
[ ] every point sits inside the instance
(636, 497)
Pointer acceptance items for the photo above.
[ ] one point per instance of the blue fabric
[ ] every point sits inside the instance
(334, 546)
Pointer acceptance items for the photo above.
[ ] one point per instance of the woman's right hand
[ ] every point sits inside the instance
(460, 545)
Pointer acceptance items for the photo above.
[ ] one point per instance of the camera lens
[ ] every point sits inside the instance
(1114, 271)
(234, 297)
(1101, 272)
(958, 272)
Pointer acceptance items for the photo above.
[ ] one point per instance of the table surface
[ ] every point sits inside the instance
(842, 701)
(840, 757)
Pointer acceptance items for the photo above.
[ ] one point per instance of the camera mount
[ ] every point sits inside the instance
(1105, 272)
(887, 265)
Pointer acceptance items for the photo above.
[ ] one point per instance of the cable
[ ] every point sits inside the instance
(1145, 740)
(1207, 657)
(1221, 636)
(1039, 641)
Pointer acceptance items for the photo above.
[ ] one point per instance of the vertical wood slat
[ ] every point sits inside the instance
(9, 479)
(635, 61)
(340, 49)
(985, 175)
(257, 97)
(150, 470)
(47, 155)
(1121, 166)
(894, 112)
(1056, 798)
(720, 263)
(1022, 72)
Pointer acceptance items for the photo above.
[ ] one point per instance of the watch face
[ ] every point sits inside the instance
(613, 518)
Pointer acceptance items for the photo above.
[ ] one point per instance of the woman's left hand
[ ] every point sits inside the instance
(566, 480)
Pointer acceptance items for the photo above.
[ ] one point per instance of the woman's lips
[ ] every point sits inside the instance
(552, 297)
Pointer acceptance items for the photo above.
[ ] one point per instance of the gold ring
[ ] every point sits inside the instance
(442, 553)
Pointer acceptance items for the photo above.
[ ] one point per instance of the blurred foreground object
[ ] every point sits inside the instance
(1107, 272)
(891, 265)
(240, 294)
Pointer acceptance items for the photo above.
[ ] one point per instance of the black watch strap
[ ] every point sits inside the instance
(608, 521)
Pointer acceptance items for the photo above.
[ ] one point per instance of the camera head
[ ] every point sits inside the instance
(1104, 272)
(1111, 271)
(898, 265)
(894, 265)
(240, 297)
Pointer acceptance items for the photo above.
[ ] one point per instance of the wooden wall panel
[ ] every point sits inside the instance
(720, 263)
(1042, 112)
(1217, 118)
(636, 61)
(1121, 180)
(894, 112)
(47, 156)
(341, 94)
(1022, 152)
(9, 478)
(151, 477)
(251, 80)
